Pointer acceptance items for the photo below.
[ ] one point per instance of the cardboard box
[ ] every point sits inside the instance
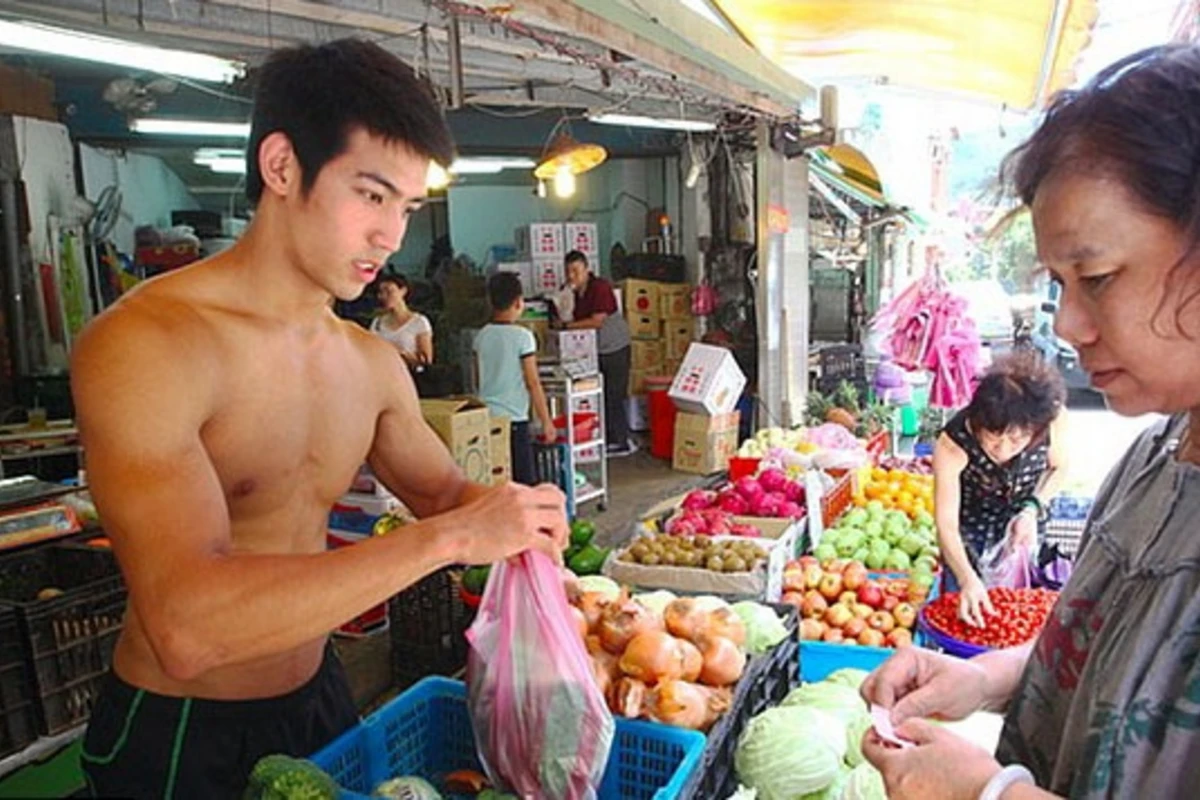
(703, 444)
(582, 236)
(26, 94)
(541, 332)
(541, 239)
(577, 347)
(674, 301)
(637, 380)
(639, 298)
(524, 271)
(646, 354)
(677, 338)
(464, 425)
(709, 382)
(637, 409)
(642, 326)
(500, 448)
(548, 274)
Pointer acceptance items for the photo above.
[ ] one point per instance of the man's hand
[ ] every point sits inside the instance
(916, 683)
(548, 433)
(1022, 531)
(973, 602)
(508, 520)
(942, 766)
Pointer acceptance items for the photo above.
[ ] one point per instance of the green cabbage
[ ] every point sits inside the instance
(656, 601)
(834, 699)
(743, 793)
(865, 783)
(599, 583)
(848, 676)
(855, 731)
(779, 757)
(834, 790)
(764, 629)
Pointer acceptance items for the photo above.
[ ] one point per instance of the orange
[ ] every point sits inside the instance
(879, 474)
(905, 497)
(874, 490)
(859, 500)
(896, 475)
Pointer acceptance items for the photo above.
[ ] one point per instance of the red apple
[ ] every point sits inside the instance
(811, 629)
(837, 616)
(833, 635)
(836, 565)
(854, 627)
(847, 598)
(792, 599)
(862, 610)
(900, 637)
(854, 576)
(870, 594)
(897, 588)
(812, 576)
(793, 580)
(882, 621)
(849, 643)
(830, 585)
(905, 614)
(871, 638)
(807, 561)
(814, 604)
(890, 602)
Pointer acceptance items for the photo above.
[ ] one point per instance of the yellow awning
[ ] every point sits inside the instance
(1018, 52)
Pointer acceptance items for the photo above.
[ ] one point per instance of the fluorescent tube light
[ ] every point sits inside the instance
(665, 123)
(191, 127)
(485, 165)
(89, 47)
(227, 161)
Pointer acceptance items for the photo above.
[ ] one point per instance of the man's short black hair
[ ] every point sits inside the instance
(504, 289)
(575, 255)
(318, 95)
(1019, 391)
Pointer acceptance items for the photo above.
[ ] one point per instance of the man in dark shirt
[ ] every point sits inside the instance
(596, 308)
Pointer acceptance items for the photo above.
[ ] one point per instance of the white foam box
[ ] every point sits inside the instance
(709, 381)
(574, 347)
(541, 239)
(548, 274)
(582, 236)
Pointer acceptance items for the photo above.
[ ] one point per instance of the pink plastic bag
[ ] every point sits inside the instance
(542, 728)
(1007, 566)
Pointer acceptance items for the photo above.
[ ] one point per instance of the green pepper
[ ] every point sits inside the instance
(582, 532)
(588, 560)
(476, 578)
(571, 552)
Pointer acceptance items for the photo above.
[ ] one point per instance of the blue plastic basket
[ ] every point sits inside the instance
(427, 732)
(819, 659)
(946, 643)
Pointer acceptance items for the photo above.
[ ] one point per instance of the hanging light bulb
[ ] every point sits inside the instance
(437, 177)
(693, 176)
(564, 182)
(541, 188)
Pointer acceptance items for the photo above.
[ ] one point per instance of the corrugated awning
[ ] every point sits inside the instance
(847, 179)
(1016, 52)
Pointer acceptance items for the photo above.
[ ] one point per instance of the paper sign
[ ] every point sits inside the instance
(881, 719)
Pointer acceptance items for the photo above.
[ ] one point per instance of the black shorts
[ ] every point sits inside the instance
(142, 745)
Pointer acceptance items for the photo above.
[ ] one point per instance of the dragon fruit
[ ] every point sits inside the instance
(790, 510)
(794, 491)
(746, 531)
(698, 500)
(733, 502)
(772, 480)
(767, 505)
(749, 488)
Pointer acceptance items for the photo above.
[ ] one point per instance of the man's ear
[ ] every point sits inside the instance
(278, 165)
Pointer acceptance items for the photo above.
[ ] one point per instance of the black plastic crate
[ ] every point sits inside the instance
(428, 622)
(767, 680)
(18, 712)
(70, 636)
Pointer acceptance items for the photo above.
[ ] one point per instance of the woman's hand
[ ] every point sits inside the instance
(1022, 531)
(916, 683)
(940, 766)
(973, 602)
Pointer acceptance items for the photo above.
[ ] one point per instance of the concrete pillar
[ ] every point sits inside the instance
(796, 303)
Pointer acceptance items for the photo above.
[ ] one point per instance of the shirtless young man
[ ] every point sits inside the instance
(224, 409)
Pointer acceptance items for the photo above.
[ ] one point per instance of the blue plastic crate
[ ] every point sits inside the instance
(427, 732)
(819, 659)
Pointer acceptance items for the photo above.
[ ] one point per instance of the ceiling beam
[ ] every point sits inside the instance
(706, 56)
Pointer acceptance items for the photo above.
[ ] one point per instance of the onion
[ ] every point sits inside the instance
(594, 645)
(652, 657)
(627, 698)
(723, 661)
(687, 705)
(620, 623)
(685, 619)
(580, 621)
(592, 604)
(725, 622)
(605, 671)
(693, 661)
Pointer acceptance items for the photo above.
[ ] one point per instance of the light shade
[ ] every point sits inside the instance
(572, 155)
(191, 127)
(664, 123)
(89, 47)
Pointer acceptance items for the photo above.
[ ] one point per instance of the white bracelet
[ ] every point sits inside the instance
(1009, 776)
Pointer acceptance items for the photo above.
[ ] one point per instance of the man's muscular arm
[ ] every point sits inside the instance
(203, 603)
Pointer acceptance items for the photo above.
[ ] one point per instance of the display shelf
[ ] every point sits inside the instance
(45, 453)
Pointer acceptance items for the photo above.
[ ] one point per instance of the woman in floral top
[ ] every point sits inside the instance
(1106, 703)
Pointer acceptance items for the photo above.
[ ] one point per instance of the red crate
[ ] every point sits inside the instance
(585, 423)
(878, 446)
(835, 502)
